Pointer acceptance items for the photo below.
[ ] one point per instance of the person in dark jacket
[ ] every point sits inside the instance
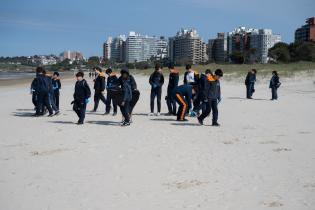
(212, 96)
(172, 84)
(34, 92)
(250, 83)
(43, 88)
(51, 94)
(183, 95)
(112, 82)
(156, 81)
(56, 87)
(99, 87)
(274, 85)
(127, 96)
(202, 85)
(81, 96)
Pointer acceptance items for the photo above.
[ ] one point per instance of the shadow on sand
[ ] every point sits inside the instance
(112, 123)
(62, 122)
(185, 124)
(163, 119)
(255, 99)
(23, 114)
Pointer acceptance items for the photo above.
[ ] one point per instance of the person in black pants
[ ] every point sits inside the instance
(56, 87)
(127, 96)
(112, 83)
(34, 92)
(212, 95)
(274, 85)
(156, 81)
(81, 96)
(172, 84)
(99, 87)
(43, 88)
(250, 83)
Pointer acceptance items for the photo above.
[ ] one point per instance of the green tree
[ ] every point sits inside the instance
(93, 61)
(280, 52)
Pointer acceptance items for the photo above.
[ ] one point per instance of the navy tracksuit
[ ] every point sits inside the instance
(274, 85)
(156, 81)
(170, 100)
(112, 83)
(211, 95)
(135, 93)
(99, 86)
(34, 92)
(43, 88)
(81, 93)
(250, 84)
(127, 97)
(56, 87)
(183, 96)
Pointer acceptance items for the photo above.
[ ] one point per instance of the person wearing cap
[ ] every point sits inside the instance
(112, 82)
(56, 87)
(156, 81)
(81, 96)
(172, 84)
(99, 87)
(212, 96)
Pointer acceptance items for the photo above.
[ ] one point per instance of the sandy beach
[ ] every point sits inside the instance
(262, 157)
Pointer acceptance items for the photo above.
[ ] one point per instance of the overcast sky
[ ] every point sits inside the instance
(29, 27)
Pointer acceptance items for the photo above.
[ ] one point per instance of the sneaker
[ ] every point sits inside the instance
(215, 124)
(57, 112)
(80, 123)
(51, 115)
(115, 113)
(158, 114)
(151, 114)
(106, 113)
(200, 121)
(125, 123)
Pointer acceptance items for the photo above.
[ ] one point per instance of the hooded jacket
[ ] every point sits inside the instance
(212, 90)
(99, 82)
(112, 81)
(156, 79)
(81, 91)
(173, 79)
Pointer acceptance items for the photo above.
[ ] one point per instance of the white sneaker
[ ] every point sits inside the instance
(158, 114)
(151, 114)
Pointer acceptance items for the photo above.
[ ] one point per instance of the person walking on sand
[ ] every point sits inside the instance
(172, 84)
(250, 83)
(274, 85)
(34, 92)
(99, 87)
(56, 87)
(212, 96)
(156, 81)
(192, 78)
(112, 83)
(81, 96)
(126, 96)
(183, 95)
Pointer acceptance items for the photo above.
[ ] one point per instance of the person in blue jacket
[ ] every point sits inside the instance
(250, 83)
(112, 83)
(156, 81)
(81, 96)
(56, 87)
(127, 96)
(274, 85)
(172, 84)
(183, 95)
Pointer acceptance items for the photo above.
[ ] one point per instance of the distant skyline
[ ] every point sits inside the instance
(44, 27)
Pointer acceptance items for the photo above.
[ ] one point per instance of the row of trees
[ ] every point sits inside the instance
(297, 51)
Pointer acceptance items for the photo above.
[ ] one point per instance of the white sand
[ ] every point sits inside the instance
(263, 155)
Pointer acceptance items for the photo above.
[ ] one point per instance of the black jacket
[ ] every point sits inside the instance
(44, 84)
(112, 81)
(81, 91)
(156, 79)
(99, 82)
(250, 78)
(274, 82)
(56, 85)
(212, 90)
(131, 81)
(173, 80)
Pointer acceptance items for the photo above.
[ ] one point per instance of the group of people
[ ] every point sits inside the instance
(45, 90)
(196, 97)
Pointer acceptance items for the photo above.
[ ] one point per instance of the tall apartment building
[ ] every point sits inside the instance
(187, 46)
(261, 42)
(306, 32)
(118, 49)
(217, 48)
(161, 48)
(140, 48)
(71, 55)
(107, 49)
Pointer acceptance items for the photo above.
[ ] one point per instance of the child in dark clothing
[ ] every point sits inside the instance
(183, 95)
(172, 84)
(156, 81)
(112, 83)
(81, 96)
(56, 87)
(250, 83)
(127, 96)
(274, 85)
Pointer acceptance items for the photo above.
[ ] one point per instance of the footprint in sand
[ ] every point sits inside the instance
(304, 132)
(268, 142)
(273, 204)
(48, 152)
(186, 184)
(282, 149)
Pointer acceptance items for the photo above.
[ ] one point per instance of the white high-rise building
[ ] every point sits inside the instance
(107, 49)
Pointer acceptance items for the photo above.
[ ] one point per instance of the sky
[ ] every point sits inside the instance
(29, 27)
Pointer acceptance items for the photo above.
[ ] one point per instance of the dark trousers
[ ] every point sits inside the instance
(134, 100)
(171, 102)
(43, 100)
(98, 95)
(109, 100)
(80, 111)
(210, 105)
(52, 102)
(249, 90)
(125, 110)
(35, 99)
(56, 98)
(156, 92)
(274, 93)
(183, 107)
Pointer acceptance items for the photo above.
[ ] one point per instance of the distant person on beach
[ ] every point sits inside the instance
(51, 93)
(43, 88)
(250, 83)
(90, 75)
(274, 85)
(191, 77)
(126, 84)
(212, 96)
(183, 95)
(56, 87)
(99, 87)
(81, 96)
(112, 82)
(156, 81)
(172, 84)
